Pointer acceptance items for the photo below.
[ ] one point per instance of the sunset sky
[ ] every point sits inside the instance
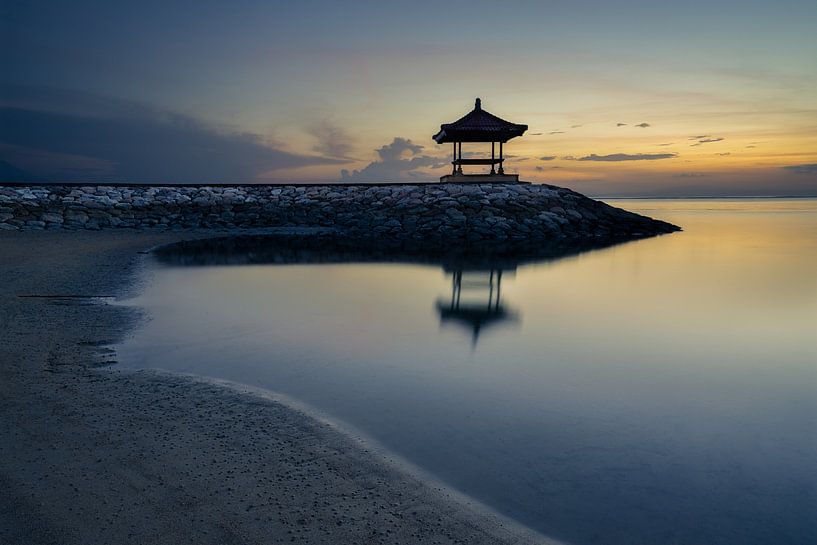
(622, 98)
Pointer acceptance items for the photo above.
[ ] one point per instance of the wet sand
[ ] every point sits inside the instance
(90, 454)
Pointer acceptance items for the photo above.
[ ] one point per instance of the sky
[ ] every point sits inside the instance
(621, 98)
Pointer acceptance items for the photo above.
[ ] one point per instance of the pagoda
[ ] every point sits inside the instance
(479, 126)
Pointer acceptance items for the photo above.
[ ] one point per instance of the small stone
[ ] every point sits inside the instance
(52, 217)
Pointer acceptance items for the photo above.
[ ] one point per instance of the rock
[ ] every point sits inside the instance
(75, 216)
(52, 217)
(443, 214)
(454, 214)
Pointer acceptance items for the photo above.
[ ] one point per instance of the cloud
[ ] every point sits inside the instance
(627, 157)
(332, 140)
(689, 175)
(665, 144)
(535, 133)
(401, 160)
(99, 139)
(10, 173)
(547, 158)
(557, 132)
(397, 148)
(705, 139)
(539, 168)
(643, 125)
(621, 124)
(55, 166)
(724, 154)
(810, 168)
(575, 126)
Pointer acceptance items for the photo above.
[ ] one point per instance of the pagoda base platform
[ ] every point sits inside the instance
(480, 178)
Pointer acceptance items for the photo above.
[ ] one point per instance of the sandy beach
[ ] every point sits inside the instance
(90, 454)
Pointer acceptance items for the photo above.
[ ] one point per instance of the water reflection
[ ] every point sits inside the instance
(482, 306)
(476, 271)
(327, 248)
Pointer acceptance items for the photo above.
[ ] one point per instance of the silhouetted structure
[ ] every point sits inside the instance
(483, 307)
(479, 126)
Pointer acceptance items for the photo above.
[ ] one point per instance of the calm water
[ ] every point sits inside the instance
(658, 391)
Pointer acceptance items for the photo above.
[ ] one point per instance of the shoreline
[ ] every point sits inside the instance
(367, 447)
(104, 455)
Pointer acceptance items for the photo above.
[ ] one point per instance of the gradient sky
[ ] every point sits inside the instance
(622, 98)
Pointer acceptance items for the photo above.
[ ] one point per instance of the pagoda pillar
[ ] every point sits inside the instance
(454, 161)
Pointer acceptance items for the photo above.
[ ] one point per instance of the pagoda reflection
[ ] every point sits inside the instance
(476, 301)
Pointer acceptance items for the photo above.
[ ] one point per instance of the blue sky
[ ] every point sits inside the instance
(268, 91)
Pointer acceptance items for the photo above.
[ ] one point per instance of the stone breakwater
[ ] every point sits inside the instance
(433, 212)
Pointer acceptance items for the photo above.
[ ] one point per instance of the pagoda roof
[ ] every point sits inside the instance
(479, 126)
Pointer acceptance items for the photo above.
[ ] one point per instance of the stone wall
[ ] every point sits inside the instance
(448, 212)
